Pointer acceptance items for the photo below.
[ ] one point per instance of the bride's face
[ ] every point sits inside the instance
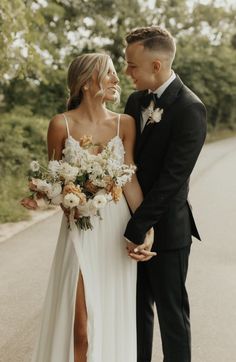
(109, 85)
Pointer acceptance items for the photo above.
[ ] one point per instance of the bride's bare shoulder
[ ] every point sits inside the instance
(58, 121)
(127, 125)
(57, 127)
(123, 117)
(127, 118)
(127, 121)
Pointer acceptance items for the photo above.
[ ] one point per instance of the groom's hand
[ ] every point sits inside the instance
(141, 252)
(143, 255)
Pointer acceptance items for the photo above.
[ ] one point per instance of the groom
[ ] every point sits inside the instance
(171, 129)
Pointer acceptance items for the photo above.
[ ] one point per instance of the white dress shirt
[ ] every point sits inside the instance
(159, 91)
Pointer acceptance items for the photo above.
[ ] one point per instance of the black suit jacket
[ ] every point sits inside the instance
(165, 155)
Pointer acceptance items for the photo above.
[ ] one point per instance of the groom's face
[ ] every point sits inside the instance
(141, 67)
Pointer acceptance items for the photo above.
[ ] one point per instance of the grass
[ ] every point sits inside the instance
(220, 134)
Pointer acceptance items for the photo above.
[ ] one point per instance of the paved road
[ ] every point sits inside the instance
(25, 263)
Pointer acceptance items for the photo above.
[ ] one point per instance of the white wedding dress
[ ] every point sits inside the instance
(110, 287)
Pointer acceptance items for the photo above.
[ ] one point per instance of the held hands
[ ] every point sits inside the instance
(142, 252)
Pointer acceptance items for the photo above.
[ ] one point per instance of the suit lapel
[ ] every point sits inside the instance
(171, 93)
(136, 113)
(167, 99)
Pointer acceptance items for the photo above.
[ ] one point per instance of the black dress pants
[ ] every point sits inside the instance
(161, 282)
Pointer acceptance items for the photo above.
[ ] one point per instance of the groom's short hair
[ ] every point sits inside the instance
(154, 38)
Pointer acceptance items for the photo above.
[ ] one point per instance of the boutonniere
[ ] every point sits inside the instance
(153, 116)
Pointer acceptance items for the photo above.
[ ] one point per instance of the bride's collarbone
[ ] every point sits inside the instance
(99, 123)
(96, 141)
(98, 135)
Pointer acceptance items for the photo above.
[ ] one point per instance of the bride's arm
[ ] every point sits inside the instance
(55, 141)
(132, 190)
(56, 137)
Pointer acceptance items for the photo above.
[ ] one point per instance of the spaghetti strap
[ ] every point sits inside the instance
(118, 125)
(67, 127)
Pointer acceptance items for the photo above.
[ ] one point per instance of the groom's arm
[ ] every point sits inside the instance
(186, 142)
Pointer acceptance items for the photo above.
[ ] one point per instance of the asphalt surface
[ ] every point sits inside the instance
(25, 262)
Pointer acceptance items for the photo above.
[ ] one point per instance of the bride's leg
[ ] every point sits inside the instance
(80, 325)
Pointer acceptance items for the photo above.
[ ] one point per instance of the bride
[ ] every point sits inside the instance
(89, 312)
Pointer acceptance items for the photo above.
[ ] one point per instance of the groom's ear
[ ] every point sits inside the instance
(156, 65)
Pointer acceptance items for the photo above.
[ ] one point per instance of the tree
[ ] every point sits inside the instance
(19, 56)
(63, 29)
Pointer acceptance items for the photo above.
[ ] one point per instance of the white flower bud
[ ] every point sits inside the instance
(34, 166)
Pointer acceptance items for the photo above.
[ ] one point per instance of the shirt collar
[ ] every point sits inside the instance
(159, 91)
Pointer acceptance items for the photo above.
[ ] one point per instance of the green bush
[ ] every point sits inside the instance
(22, 139)
(12, 190)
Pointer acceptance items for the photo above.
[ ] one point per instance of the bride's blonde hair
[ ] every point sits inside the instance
(80, 72)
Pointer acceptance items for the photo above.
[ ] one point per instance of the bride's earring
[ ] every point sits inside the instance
(86, 87)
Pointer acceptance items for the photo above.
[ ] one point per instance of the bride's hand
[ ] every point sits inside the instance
(143, 252)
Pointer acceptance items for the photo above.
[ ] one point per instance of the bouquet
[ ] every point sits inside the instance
(80, 181)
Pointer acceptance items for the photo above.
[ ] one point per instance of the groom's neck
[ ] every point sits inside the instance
(162, 78)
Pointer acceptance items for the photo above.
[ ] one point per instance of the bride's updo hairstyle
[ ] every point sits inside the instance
(80, 72)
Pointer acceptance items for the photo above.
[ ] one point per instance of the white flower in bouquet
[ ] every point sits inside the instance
(87, 210)
(42, 185)
(100, 160)
(71, 152)
(112, 167)
(75, 155)
(72, 156)
(57, 200)
(94, 166)
(68, 172)
(122, 180)
(97, 181)
(55, 190)
(82, 164)
(71, 200)
(99, 201)
(123, 174)
(83, 180)
(34, 166)
(54, 167)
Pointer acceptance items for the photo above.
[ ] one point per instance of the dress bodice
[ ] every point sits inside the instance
(73, 150)
(74, 153)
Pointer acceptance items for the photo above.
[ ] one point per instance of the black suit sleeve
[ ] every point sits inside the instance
(187, 138)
